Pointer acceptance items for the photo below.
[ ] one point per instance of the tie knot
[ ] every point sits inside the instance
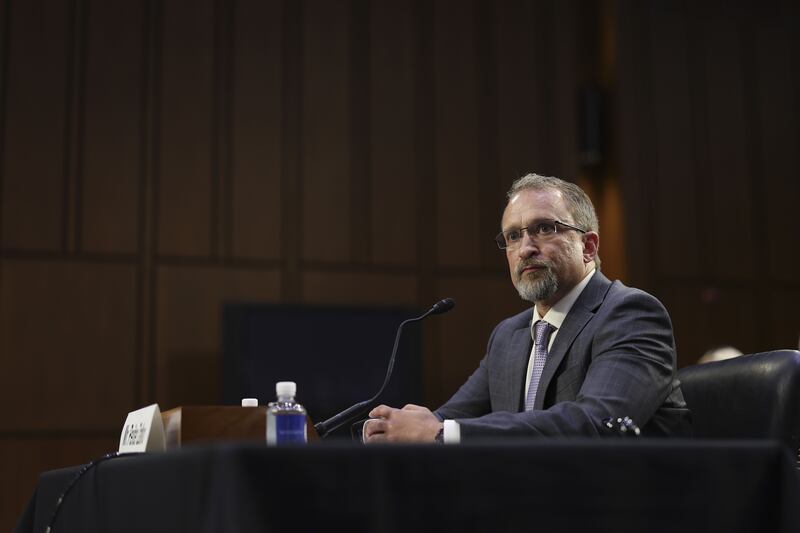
(541, 331)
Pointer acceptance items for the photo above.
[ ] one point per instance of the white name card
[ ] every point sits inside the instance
(143, 431)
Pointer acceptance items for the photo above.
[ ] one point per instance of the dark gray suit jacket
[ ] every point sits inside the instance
(614, 356)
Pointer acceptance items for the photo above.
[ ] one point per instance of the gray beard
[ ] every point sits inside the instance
(538, 290)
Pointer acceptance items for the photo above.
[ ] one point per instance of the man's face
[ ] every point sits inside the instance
(543, 270)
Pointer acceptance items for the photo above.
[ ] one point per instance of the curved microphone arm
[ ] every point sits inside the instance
(354, 411)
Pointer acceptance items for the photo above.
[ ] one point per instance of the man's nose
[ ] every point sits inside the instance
(527, 246)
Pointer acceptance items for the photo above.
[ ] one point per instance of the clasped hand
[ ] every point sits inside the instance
(412, 423)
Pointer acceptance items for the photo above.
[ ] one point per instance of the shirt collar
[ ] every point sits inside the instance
(556, 315)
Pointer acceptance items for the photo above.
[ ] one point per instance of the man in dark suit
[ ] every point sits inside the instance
(589, 350)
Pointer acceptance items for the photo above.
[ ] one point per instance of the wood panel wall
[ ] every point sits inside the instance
(162, 157)
(707, 110)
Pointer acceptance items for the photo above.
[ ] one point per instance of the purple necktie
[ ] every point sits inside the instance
(541, 332)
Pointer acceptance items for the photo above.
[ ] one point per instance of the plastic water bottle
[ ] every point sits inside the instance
(286, 419)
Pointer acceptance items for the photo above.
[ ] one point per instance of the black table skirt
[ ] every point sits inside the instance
(570, 485)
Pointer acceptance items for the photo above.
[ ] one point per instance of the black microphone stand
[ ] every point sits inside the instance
(354, 411)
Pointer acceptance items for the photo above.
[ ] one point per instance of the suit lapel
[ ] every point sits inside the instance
(519, 353)
(582, 311)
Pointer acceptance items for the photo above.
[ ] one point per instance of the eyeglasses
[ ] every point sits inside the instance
(542, 230)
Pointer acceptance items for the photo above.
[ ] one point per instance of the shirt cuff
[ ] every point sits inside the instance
(452, 432)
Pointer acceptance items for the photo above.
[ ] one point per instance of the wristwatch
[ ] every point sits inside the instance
(439, 438)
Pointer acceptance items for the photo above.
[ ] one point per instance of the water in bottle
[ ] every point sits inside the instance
(286, 419)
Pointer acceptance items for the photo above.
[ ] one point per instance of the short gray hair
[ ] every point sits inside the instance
(578, 203)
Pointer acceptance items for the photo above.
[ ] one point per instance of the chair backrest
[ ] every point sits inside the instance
(752, 396)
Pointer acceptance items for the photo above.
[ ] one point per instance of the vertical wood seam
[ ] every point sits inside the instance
(155, 180)
(760, 259)
(543, 56)
(221, 104)
(80, 142)
(67, 127)
(228, 128)
(425, 146)
(5, 25)
(426, 215)
(142, 203)
(5, 41)
(486, 72)
(149, 197)
(699, 123)
(361, 218)
(647, 155)
(292, 149)
(216, 136)
(72, 142)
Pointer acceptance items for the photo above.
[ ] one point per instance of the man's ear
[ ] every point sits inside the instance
(591, 245)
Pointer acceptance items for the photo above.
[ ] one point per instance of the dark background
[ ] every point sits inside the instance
(337, 355)
(160, 158)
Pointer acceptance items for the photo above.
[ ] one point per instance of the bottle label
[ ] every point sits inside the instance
(290, 428)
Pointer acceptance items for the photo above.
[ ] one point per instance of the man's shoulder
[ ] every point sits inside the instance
(602, 296)
(620, 298)
(619, 290)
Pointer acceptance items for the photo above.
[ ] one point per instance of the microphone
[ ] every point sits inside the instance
(354, 411)
(442, 306)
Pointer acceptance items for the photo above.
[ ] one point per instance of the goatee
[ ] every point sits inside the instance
(540, 289)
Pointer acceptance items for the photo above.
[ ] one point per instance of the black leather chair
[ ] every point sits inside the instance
(749, 397)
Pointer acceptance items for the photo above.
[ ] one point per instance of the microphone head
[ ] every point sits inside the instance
(443, 306)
